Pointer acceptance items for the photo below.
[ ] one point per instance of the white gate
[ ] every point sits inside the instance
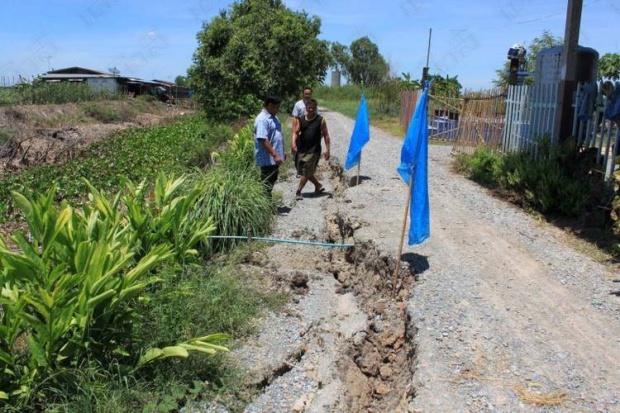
(516, 131)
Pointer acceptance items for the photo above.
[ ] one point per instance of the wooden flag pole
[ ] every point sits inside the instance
(359, 165)
(402, 235)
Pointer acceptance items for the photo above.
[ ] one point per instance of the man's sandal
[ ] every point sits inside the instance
(299, 197)
(319, 190)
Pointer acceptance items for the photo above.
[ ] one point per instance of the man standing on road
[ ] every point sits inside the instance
(268, 142)
(306, 145)
(299, 109)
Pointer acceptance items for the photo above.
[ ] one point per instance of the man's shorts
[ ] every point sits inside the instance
(306, 163)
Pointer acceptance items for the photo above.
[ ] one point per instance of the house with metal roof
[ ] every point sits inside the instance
(101, 81)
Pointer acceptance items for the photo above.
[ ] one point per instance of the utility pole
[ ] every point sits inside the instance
(428, 56)
(568, 75)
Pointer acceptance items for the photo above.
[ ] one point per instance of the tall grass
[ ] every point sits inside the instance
(235, 196)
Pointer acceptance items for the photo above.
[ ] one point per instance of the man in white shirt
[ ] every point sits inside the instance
(299, 109)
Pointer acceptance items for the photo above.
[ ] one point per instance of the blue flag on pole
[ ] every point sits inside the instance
(413, 165)
(359, 137)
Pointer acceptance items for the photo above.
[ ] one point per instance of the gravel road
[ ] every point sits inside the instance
(494, 313)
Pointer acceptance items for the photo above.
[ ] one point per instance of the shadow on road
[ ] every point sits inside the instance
(418, 263)
(353, 181)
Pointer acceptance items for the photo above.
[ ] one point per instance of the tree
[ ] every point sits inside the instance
(253, 49)
(609, 67)
(366, 65)
(180, 80)
(340, 57)
(545, 41)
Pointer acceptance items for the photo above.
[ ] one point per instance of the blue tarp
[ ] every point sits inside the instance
(359, 137)
(414, 165)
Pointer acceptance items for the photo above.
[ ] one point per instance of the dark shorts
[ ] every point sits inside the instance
(306, 163)
(269, 175)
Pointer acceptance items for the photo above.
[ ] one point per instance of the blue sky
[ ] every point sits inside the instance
(156, 39)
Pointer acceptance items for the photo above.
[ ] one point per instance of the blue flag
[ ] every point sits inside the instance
(413, 165)
(360, 136)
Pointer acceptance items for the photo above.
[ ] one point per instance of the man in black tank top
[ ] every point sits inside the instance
(306, 146)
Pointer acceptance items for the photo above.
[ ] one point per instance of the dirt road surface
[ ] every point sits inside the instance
(496, 312)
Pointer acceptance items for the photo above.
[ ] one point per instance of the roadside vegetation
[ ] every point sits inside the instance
(114, 296)
(559, 183)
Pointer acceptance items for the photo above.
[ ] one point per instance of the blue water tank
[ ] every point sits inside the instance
(549, 65)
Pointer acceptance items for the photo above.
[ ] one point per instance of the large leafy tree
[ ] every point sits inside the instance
(366, 66)
(340, 57)
(545, 41)
(253, 49)
(609, 67)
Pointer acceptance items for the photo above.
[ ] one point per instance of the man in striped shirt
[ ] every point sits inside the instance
(268, 142)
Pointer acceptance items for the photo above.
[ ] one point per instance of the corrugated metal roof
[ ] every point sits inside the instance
(77, 70)
(74, 76)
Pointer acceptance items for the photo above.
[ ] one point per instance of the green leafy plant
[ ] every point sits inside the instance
(65, 291)
(555, 180)
(483, 166)
(163, 217)
(69, 287)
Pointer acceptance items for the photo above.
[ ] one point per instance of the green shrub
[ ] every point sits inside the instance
(163, 216)
(483, 166)
(388, 102)
(556, 180)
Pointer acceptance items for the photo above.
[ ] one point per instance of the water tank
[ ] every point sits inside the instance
(336, 78)
(549, 65)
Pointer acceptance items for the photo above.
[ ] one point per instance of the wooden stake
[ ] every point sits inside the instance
(402, 235)
(359, 165)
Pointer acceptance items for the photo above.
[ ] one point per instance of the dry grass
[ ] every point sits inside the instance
(555, 398)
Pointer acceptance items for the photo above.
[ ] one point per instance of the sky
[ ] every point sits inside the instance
(156, 39)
